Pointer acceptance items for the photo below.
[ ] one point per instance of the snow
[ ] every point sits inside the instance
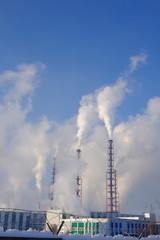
(30, 233)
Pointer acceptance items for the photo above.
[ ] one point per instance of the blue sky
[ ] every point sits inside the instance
(85, 45)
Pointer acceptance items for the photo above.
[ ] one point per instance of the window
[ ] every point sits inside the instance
(128, 227)
(20, 221)
(28, 220)
(13, 221)
(6, 220)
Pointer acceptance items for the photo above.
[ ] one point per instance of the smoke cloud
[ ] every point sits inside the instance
(87, 116)
(138, 141)
(135, 61)
(105, 101)
(108, 99)
(100, 105)
(23, 145)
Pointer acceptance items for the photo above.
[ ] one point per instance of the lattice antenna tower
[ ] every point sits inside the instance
(112, 204)
(52, 182)
(79, 179)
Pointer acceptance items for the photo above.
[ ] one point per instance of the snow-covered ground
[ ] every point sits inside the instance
(47, 234)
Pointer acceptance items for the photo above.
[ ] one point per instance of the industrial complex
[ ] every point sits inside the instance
(109, 223)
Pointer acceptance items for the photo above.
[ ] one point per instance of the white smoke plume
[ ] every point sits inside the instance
(135, 61)
(100, 104)
(138, 141)
(23, 145)
(87, 116)
(108, 99)
(105, 101)
(41, 151)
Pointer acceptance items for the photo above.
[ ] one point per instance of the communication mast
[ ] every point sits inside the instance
(111, 182)
(79, 179)
(52, 182)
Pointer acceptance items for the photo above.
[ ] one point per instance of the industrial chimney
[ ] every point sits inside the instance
(111, 182)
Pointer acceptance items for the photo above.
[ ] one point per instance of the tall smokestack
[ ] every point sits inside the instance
(79, 179)
(111, 182)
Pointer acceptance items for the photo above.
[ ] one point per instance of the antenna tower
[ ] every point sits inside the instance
(51, 185)
(111, 182)
(79, 179)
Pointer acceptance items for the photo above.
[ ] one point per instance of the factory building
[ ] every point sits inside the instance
(108, 224)
(22, 219)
